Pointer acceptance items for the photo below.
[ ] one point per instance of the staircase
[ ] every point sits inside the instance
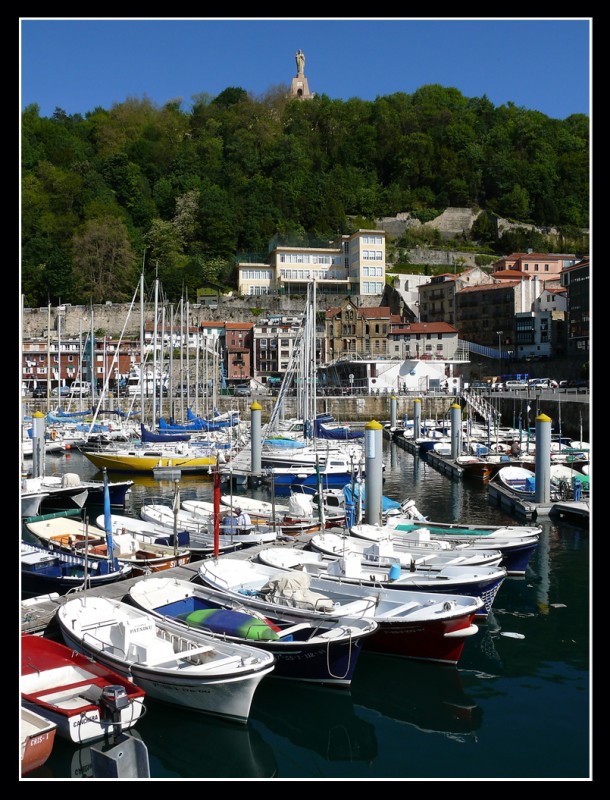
(481, 406)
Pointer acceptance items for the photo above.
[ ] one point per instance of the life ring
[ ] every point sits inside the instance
(53, 435)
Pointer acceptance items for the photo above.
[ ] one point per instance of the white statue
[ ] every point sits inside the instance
(300, 59)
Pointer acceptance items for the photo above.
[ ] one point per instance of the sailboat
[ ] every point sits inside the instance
(314, 442)
(141, 456)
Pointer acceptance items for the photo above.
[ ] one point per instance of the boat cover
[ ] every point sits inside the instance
(293, 590)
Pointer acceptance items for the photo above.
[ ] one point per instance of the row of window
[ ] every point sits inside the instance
(371, 239)
(372, 255)
(256, 274)
(300, 258)
(372, 287)
(372, 272)
(305, 275)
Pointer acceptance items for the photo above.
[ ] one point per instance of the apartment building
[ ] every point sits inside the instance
(353, 263)
(437, 296)
(544, 265)
(238, 351)
(422, 340)
(575, 279)
(62, 361)
(353, 330)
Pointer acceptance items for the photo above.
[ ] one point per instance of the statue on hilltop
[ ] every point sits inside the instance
(300, 59)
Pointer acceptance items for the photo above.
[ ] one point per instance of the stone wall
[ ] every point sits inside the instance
(573, 411)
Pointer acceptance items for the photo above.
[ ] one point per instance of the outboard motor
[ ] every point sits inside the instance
(112, 701)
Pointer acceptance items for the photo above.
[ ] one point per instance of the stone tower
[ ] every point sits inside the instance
(299, 87)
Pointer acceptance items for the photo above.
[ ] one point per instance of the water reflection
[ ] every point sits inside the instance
(427, 696)
(320, 719)
(192, 745)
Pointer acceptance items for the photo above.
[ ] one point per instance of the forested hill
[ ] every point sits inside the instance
(184, 192)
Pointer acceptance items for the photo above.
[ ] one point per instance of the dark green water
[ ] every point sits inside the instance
(514, 708)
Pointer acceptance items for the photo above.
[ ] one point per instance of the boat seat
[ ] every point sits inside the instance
(149, 659)
(300, 626)
(227, 661)
(401, 608)
(365, 606)
(71, 696)
(50, 679)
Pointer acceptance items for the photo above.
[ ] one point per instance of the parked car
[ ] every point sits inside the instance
(40, 391)
(243, 390)
(542, 383)
(515, 386)
(60, 391)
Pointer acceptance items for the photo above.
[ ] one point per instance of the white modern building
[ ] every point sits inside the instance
(354, 263)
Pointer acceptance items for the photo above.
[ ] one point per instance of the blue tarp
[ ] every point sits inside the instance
(352, 497)
(340, 434)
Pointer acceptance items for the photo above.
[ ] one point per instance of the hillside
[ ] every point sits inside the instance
(182, 195)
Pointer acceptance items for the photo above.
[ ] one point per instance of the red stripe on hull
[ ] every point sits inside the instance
(424, 641)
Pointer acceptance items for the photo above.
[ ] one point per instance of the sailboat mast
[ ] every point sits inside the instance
(162, 371)
(171, 359)
(181, 358)
(142, 344)
(93, 378)
(58, 358)
(188, 360)
(154, 375)
(49, 356)
(80, 360)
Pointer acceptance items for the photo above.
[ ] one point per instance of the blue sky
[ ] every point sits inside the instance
(79, 64)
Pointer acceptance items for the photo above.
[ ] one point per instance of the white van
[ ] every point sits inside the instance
(80, 389)
(513, 386)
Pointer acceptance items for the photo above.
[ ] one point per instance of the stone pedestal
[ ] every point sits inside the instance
(300, 88)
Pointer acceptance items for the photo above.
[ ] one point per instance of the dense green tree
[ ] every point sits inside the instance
(233, 171)
(102, 258)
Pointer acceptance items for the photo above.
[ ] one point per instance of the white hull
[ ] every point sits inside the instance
(177, 666)
(88, 726)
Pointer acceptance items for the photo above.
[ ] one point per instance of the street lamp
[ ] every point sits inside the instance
(499, 333)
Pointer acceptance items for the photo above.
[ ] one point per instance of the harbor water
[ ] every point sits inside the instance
(517, 706)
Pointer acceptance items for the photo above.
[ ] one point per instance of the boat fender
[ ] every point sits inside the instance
(53, 435)
(394, 573)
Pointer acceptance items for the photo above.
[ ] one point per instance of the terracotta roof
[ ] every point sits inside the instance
(375, 312)
(487, 287)
(508, 274)
(239, 326)
(519, 256)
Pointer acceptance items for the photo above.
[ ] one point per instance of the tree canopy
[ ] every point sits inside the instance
(194, 188)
